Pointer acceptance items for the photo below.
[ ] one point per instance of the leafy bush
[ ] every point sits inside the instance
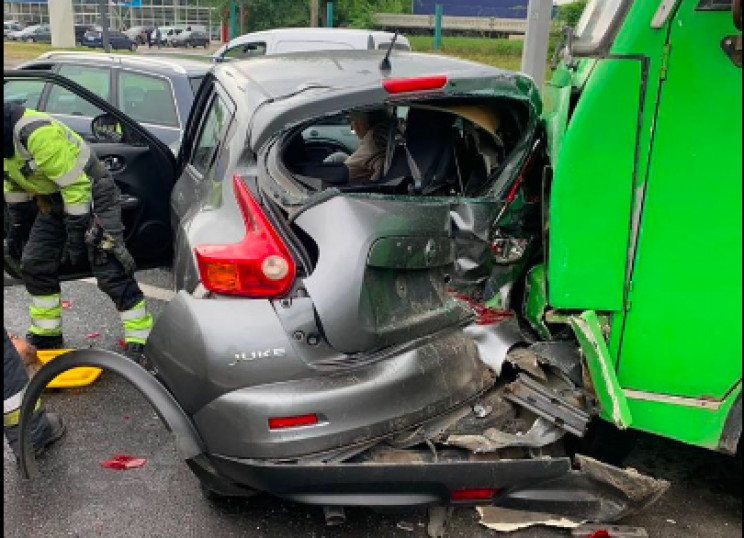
(571, 13)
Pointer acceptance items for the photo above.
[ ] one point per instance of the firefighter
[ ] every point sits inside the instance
(46, 428)
(62, 198)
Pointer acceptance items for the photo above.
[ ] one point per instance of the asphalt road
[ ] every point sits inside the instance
(75, 496)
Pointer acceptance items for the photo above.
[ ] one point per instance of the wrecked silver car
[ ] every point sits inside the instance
(329, 343)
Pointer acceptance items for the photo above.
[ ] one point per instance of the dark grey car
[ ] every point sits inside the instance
(156, 92)
(321, 346)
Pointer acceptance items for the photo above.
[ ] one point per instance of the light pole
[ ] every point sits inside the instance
(535, 51)
(105, 26)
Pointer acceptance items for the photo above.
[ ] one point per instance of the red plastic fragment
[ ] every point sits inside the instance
(65, 303)
(121, 462)
(601, 533)
(484, 315)
(121, 343)
(92, 335)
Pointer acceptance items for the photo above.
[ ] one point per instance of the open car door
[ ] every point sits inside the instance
(144, 170)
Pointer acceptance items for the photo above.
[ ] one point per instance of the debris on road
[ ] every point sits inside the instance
(611, 531)
(92, 335)
(405, 526)
(508, 520)
(439, 518)
(65, 304)
(121, 462)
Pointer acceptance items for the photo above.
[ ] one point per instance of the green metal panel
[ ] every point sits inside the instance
(692, 425)
(591, 192)
(537, 301)
(682, 334)
(613, 405)
(556, 97)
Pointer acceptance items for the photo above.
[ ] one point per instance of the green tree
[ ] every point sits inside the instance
(571, 13)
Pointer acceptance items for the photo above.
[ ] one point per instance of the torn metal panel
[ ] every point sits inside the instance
(596, 492)
(495, 341)
(507, 520)
(471, 228)
(548, 404)
(527, 361)
(613, 404)
(541, 434)
(563, 355)
(640, 490)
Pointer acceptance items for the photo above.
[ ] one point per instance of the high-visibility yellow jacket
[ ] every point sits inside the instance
(49, 157)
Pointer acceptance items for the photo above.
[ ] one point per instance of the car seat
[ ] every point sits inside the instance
(426, 153)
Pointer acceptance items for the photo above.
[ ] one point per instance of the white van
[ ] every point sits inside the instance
(284, 40)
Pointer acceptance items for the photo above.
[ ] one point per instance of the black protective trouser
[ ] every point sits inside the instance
(42, 253)
(14, 381)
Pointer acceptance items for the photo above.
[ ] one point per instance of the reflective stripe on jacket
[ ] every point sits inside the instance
(52, 160)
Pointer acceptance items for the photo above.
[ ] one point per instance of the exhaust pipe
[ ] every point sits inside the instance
(334, 515)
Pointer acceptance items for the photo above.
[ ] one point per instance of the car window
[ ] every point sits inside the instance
(195, 83)
(246, 50)
(301, 46)
(398, 46)
(147, 99)
(23, 92)
(95, 79)
(211, 133)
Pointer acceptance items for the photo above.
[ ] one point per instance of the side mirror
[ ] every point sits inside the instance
(106, 128)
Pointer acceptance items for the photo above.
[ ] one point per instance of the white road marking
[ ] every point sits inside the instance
(153, 292)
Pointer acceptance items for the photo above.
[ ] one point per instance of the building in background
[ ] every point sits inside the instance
(502, 9)
(121, 14)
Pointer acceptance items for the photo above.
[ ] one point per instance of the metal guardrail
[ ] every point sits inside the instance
(473, 24)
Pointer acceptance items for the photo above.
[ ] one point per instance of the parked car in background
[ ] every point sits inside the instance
(169, 32)
(138, 34)
(284, 40)
(155, 91)
(80, 31)
(38, 33)
(9, 27)
(190, 38)
(117, 40)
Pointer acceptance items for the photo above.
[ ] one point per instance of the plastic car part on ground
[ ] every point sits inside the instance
(121, 462)
(76, 377)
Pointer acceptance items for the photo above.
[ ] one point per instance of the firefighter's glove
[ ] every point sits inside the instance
(105, 244)
(20, 220)
(76, 252)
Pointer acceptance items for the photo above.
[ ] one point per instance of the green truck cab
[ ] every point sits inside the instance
(644, 217)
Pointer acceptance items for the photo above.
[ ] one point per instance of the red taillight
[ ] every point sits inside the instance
(417, 84)
(258, 266)
(279, 423)
(474, 494)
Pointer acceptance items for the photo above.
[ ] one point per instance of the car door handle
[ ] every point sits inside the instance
(113, 163)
